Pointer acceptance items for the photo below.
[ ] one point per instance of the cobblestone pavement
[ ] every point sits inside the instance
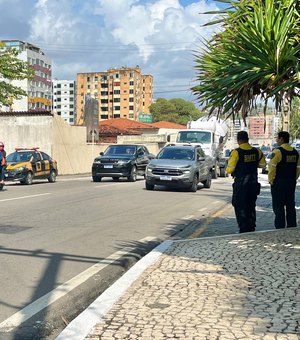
(232, 287)
(238, 286)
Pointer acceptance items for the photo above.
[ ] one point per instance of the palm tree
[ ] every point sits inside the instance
(255, 57)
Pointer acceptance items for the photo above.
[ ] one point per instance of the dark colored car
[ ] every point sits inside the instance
(120, 160)
(25, 165)
(180, 166)
(223, 162)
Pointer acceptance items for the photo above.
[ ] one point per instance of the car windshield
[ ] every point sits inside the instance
(120, 150)
(174, 153)
(194, 137)
(19, 157)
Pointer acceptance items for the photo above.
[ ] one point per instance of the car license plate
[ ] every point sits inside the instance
(165, 178)
(108, 166)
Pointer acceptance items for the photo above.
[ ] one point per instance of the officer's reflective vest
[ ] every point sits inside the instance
(247, 163)
(287, 167)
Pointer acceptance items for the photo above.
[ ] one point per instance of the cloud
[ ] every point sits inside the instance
(93, 35)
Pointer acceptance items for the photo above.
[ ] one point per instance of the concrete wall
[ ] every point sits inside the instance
(26, 132)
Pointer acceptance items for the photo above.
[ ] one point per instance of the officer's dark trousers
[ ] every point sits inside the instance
(283, 201)
(245, 191)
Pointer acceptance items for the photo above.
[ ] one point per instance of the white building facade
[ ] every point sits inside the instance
(39, 89)
(64, 99)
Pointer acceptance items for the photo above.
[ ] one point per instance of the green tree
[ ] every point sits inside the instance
(175, 110)
(255, 58)
(12, 68)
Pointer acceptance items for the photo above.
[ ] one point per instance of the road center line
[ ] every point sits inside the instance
(35, 307)
(21, 197)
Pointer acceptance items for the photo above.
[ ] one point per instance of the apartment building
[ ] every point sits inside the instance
(39, 89)
(121, 93)
(64, 99)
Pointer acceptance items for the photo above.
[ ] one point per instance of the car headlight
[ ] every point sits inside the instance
(21, 168)
(186, 171)
(97, 161)
(149, 169)
(123, 162)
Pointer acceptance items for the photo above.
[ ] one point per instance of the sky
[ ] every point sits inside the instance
(161, 36)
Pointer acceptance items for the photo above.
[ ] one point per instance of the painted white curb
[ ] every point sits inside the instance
(80, 327)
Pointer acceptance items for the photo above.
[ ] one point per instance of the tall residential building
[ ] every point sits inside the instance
(121, 93)
(64, 99)
(39, 89)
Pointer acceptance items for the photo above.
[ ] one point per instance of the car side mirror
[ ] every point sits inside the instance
(221, 139)
(201, 158)
(101, 153)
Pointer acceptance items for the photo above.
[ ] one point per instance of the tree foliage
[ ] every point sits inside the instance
(175, 110)
(256, 57)
(12, 68)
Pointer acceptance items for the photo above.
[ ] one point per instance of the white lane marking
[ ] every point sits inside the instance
(106, 185)
(73, 179)
(80, 327)
(202, 209)
(21, 197)
(26, 313)
(215, 202)
(188, 217)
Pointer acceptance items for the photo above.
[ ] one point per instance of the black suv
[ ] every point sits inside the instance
(121, 160)
(180, 166)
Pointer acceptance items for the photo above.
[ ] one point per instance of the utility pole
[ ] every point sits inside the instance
(286, 114)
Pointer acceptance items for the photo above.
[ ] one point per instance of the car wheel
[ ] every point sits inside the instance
(52, 177)
(149, 186)
(207, 183)
(29, 178)
(116, 178)
(222, 172)
(97, 179)
(215, 173)
(133, 175)
(194, 185)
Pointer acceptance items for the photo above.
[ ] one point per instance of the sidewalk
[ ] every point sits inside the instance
(230, 287)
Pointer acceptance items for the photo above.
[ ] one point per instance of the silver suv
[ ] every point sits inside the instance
(181, 166)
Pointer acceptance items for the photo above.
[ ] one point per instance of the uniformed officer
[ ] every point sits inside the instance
(242, 165)
(284, 170)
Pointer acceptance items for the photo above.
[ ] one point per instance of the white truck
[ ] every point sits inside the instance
(211, 133)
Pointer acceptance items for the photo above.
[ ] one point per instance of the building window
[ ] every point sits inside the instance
(104, 116)
(116, 100)
(131, 91)
(130, 107)
(117, 92)
(131, 100)
(103, 108)
(131, 82)
(104, 93)
(117, 108)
